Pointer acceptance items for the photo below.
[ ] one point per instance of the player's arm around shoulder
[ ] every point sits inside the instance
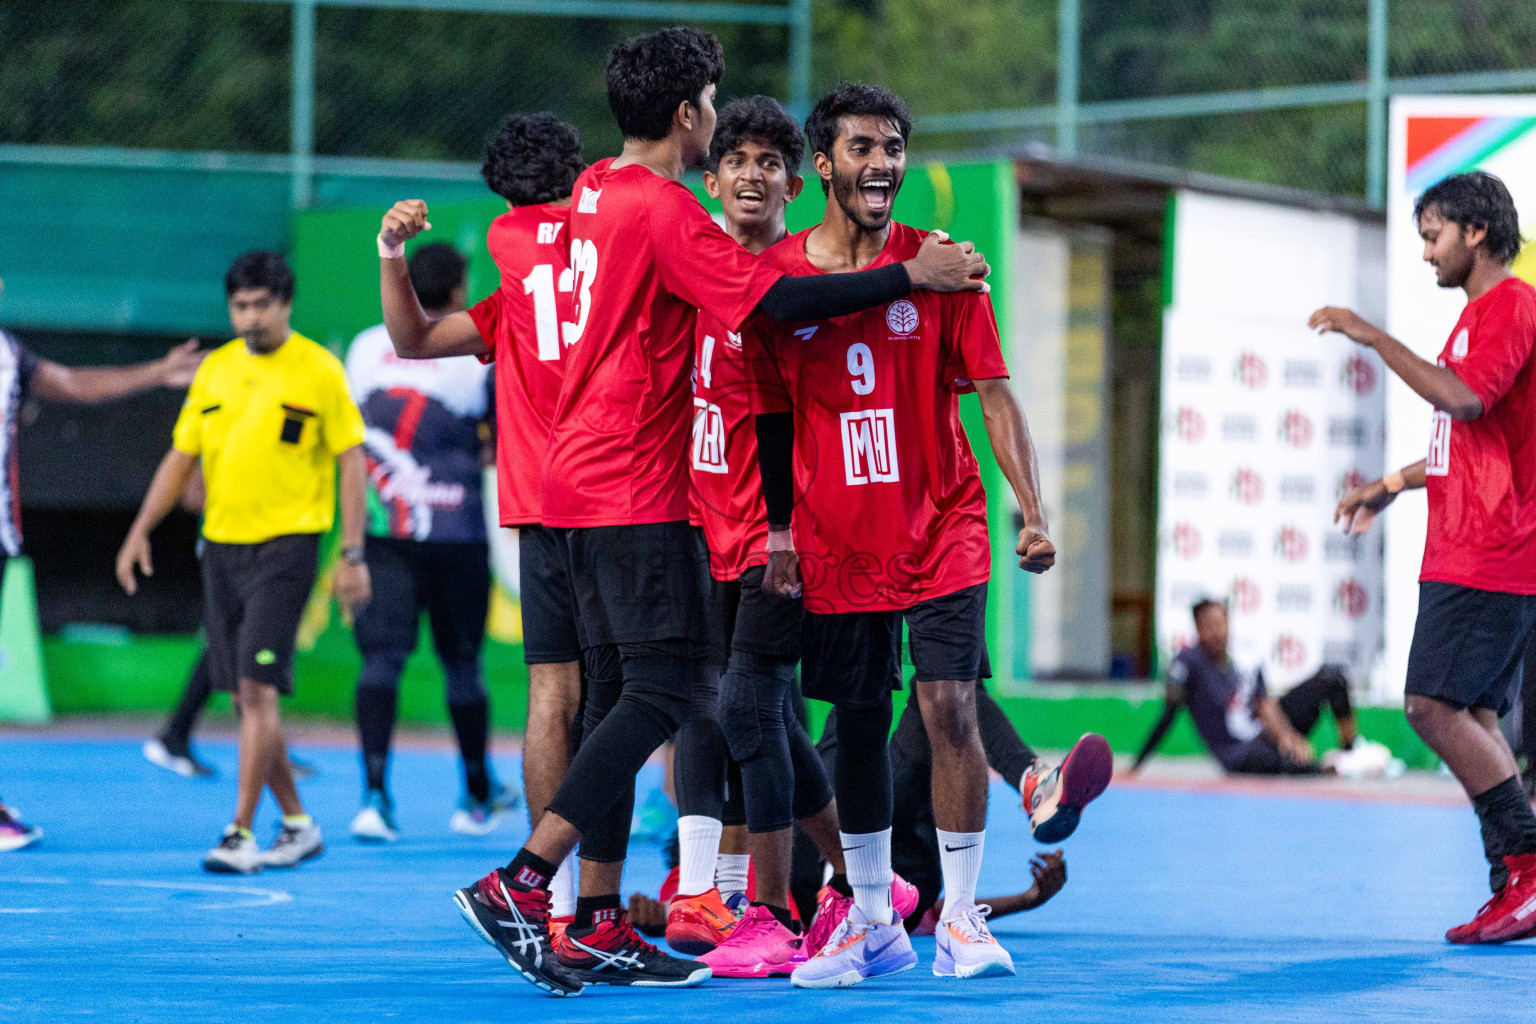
(1008, 431)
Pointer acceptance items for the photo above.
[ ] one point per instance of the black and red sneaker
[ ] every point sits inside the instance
(1510, 915)
(612, 953)
(516, 922)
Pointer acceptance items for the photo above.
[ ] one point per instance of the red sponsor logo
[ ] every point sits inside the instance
(1359, 375)
(1291, 544)
(529, 877)
(1245, 595)
(1351, 599)
(1247, 486)
(1290, 652)
(1189, 424)
(1186, 540)
(1296, 429)
(1250, 371)
(1350, 480)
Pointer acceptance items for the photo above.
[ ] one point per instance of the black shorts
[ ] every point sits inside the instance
(1468, 645)
(253, 598)
(544, 589)
(853, 659)
(634, 584)
(451, 581)
(741, 616)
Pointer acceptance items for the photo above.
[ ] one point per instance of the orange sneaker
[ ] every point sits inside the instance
(697, 924)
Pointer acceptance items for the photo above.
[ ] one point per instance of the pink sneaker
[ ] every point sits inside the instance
(832, 906)
(758, 947)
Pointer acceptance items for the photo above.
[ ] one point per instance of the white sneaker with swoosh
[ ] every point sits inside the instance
(858, 950)
(966, 948)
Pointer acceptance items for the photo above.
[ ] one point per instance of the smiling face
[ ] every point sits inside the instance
(1448, 247)
(753, 185)
(865, 170)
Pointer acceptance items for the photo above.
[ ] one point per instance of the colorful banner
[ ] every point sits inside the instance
(1432, 137)
(1264, 425)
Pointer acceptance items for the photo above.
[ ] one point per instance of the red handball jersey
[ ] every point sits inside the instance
(727, 488)
(890, 508)
(1481, 474)
(520, 324)
(645, 256)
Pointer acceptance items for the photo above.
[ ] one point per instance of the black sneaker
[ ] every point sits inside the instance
(611, 953)
(517, 924)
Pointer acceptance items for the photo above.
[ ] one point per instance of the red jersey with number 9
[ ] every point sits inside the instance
(520, 324)
(645, 255)
(1481, 474)
(890, 509)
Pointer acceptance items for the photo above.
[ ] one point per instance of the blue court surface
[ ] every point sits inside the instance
(1180, 906)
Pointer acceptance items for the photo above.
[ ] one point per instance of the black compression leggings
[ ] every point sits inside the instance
(708, 783)
(637, 696)
(782, 775)
(862, 772)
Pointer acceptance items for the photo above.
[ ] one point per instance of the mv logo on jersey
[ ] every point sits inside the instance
(901, 317)
(869, 446)
(708, 438)
(1438, 461)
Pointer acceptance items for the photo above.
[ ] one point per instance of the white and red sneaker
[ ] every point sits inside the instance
(1054, 798)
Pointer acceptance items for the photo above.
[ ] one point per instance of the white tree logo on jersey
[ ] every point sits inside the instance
(901, 316)
(1459, 346)
(708, 438)
(869, 446)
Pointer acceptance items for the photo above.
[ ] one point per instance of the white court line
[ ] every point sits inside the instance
(262, 897)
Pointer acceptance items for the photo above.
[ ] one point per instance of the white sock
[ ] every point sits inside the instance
(731, 874)
(562, 888)
(868, 856)
(960, 859)
(698, 841)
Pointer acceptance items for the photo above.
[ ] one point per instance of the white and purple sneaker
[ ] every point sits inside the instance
(14, 834)
(966, 948)
(858, 950)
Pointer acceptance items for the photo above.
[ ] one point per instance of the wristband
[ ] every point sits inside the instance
(352, 554)
(1393, 481)
(390, 252)
(780, 540)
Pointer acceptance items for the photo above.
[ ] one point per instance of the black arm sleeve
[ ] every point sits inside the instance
(823, 296)
(776, 463)
(1170, 712)
(1007, 753)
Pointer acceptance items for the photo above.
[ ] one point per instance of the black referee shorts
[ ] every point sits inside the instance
(253, 598)
(544, 590)
(1468, 645)
(853, 659)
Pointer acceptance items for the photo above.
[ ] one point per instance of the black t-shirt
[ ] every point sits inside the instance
(1222, 700)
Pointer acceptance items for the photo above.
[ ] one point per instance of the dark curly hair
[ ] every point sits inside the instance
(854, 99)
(650, 75)
(759, 119)
(1476, 199)
(263, 268)
(533, 158)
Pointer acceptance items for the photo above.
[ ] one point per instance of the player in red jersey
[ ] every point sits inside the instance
(891, 524)
(644, 255)
(532, 162)
(1477, 588)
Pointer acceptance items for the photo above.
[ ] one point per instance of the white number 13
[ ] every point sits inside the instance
(861, 364)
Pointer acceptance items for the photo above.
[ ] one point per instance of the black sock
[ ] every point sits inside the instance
(839, 884)
(471, 724)
(375, 725)
(591, 910)
(1508, 826)
(529, 871)
(194, 697)
(782, 914)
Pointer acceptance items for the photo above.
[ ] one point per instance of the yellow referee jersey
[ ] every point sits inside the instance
(268, 429)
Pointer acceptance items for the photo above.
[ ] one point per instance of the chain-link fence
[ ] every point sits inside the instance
(1280, 88)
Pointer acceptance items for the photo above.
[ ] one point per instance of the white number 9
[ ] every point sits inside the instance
(861, 364)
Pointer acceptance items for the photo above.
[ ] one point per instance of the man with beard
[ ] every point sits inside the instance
(893, 530)
(1477, 588)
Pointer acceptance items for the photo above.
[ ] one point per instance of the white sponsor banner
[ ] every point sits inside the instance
(1264, 424)
(1434, 136)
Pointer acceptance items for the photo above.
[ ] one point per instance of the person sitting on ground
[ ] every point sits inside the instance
(1245, 728)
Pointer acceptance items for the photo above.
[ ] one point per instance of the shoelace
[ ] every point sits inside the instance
(972, 925)
(829, 905)
(231, 841)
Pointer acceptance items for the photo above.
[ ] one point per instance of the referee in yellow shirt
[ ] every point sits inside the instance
(272, 422)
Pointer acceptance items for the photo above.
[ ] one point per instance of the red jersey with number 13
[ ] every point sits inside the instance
(890, 510)
(1481, 474)
(645, 256)
(520, 324)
